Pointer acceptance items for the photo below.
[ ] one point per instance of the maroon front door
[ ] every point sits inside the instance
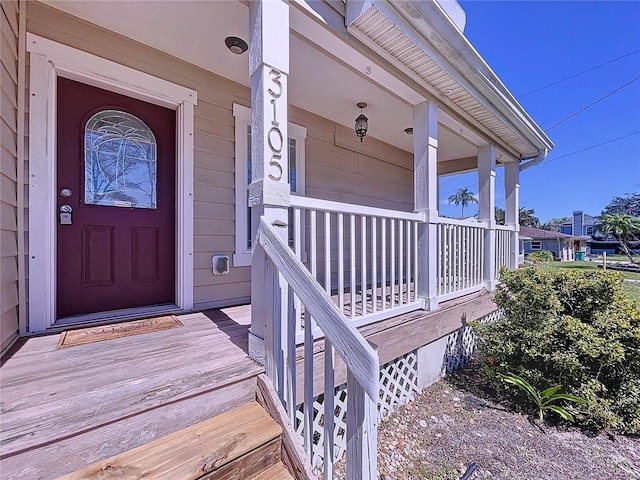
(115, 201)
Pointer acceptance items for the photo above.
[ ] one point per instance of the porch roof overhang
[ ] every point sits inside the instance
(420, 39)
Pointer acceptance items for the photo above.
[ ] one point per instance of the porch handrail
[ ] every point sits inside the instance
(349, 208)
(361, 360)
(462, 223)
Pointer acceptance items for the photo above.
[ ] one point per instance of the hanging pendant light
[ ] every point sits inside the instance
(362, 122)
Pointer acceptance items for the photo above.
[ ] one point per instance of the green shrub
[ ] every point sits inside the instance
(570, 328)
(543, 256)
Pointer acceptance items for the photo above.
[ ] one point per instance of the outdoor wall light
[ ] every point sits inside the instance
(236, 45)
(408, 130)
(362, 122)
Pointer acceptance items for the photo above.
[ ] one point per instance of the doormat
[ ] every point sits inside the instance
(72, 338)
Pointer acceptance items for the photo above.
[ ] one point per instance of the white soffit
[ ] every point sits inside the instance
(193, 31)
(410, 51)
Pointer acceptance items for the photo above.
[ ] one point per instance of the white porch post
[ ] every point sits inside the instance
(425, 187)
(486, 210)
(269, 194)
(512, 209)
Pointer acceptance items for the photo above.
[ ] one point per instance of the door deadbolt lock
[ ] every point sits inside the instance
(65, 215)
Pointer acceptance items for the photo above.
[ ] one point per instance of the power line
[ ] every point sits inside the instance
(592, 104)
(558, 158)
(577, 74)
(452, 178)
(589, 148)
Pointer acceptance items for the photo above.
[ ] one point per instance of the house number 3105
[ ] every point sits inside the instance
(274, 137)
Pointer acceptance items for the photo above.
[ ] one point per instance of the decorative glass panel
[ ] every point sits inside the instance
(120, 161)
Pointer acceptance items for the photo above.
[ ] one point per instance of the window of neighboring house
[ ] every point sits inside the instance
(296, 151)
(589, 230)
(536, 245)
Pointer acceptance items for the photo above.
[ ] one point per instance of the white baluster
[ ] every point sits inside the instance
(352, 259)
(374, 265)
(363, 267)
(383, 272)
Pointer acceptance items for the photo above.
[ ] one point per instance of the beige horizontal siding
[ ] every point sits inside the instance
(8, 173)
(354, 173)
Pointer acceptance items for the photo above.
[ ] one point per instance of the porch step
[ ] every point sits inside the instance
(277, 472)
(242, 443)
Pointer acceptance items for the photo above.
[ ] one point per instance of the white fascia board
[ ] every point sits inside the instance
(425, 17)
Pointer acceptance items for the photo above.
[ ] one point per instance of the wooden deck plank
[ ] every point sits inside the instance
(100, 400)
(277, 472)
(103, 405)
(94, 384)
(200, 330)
(78, 451)
(105, 367)
(206, 350)
(205, 353)
(192, 452)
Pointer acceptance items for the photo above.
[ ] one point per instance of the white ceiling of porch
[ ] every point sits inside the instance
(195, 31)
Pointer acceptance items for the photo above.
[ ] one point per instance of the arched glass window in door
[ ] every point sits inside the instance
(120, 161)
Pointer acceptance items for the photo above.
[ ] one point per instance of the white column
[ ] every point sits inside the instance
(269, 194)
(425, 187)
(512, 209)
(486, 210)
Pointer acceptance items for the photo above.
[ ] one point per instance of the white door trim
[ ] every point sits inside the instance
(48, 60)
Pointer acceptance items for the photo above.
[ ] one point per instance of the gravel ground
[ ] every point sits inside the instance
(446, 429)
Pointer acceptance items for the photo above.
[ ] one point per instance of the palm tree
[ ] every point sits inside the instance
(463, 197)
(621, 227)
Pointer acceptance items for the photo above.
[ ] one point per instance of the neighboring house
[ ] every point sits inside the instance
(581, 225)
(163, 157)
(562, 246)
(584, 227)
(523, 240)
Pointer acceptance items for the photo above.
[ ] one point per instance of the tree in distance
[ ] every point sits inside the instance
(526, 217)
(464, 197)
(553, 225)
(628, 204)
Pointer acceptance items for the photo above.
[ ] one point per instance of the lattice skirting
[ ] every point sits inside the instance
(398, 386)
(462, 344)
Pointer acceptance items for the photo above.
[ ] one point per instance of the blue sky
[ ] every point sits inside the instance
(532, 44)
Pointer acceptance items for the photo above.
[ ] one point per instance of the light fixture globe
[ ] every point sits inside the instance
(236, 45)
(362, 122)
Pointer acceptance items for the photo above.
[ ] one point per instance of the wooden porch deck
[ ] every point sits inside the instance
(62, 409)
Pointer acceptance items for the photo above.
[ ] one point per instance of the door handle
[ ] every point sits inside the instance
(65, 214)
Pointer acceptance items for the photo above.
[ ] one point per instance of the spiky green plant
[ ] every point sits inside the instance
(547, 400)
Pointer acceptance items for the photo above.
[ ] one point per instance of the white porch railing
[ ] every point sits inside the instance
(366, 258)
(503, 248)
(293, 288)
(460, 269)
